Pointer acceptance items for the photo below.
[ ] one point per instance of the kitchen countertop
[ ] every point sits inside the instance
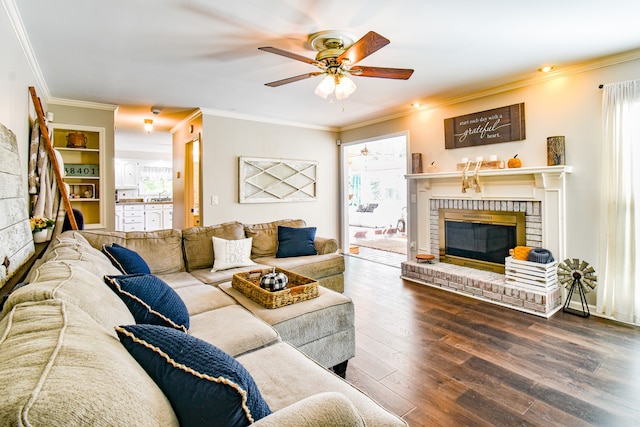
(121, 202)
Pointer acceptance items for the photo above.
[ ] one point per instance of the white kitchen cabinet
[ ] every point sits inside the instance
(127, 173)
(167, 217)
(144, 217)
(152, 217)
(133, 218)
(119, 218)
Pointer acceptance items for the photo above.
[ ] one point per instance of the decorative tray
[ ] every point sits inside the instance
(299, 288)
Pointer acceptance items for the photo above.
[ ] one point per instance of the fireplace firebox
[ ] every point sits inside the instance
(480, 239)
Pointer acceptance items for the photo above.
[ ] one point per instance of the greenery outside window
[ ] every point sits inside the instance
(156, 181)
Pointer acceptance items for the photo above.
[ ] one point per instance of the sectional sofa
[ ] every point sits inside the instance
(72, 354)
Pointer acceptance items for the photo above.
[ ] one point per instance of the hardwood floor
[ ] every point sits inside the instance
(440, 359)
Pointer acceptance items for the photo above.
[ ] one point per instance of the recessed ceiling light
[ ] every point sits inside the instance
(546, 69)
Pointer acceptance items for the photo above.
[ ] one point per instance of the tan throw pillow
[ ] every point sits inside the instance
(265, 236)
(198, 251)
(231, 253)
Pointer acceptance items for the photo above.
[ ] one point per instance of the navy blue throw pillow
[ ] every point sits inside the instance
(205, 385)
(150, 300)
(295, 241)
(125, 260)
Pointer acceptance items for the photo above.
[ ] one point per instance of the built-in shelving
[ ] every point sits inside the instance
(82, 150)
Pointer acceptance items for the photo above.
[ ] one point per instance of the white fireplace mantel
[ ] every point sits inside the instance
(541, 174)
(545, 184)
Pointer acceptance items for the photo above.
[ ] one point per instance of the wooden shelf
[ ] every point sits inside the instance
(61, 149)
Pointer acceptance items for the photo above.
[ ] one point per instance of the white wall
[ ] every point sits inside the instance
(569, 106)
(16, 109)
(15, 78)
(224, 140)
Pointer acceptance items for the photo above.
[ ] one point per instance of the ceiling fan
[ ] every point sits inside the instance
(337, 58)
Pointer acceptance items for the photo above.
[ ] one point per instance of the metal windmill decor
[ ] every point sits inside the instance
(575, 274)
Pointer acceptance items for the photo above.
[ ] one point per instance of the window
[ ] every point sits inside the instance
(156, 181)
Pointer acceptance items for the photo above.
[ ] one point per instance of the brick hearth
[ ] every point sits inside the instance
(484, 285)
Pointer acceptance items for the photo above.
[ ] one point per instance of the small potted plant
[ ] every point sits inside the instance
(40, 227)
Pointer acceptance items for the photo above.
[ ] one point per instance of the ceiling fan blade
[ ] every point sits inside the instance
(385, 73)
(288, 54)
(364, 47)
(292, 79)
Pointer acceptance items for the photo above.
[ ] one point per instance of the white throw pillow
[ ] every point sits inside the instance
(231, 253)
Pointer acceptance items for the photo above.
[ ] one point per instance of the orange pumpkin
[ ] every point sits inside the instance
(514, 162)
(520, 252)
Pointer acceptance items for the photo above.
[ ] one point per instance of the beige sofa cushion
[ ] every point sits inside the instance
(78, 286)
(72, 247)
(179, 280)
(300, 377)
(53, 353)
(322, 409)
(265, 236)
(202, 298)
(233, 330)
(146, 243)
(198, 245)
(209, 277)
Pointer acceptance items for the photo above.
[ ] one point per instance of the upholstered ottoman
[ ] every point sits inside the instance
(323, 327)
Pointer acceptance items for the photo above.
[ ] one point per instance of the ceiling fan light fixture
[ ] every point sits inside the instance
(148, 125)
(344, 88)
(337, 54)
(326, 87)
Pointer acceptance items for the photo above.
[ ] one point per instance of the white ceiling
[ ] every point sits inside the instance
(185, 54)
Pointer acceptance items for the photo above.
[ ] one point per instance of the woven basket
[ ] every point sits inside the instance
(299, 288)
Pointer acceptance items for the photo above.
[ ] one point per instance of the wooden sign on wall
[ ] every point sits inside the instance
(16, 240)
(502, 124)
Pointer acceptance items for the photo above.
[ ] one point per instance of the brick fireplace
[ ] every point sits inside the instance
(537, 192)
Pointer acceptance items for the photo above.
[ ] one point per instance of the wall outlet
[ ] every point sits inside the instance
(413, 246)
(214, 200)
(414, 198)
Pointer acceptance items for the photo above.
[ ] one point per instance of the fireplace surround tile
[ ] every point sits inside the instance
(533, 220)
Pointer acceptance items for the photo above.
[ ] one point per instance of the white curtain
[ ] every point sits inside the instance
(619, 277)
(155, 173)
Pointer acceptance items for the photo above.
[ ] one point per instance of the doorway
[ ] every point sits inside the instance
(192, 183)
(374, 220)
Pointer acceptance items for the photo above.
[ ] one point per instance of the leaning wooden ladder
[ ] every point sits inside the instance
(44, 131)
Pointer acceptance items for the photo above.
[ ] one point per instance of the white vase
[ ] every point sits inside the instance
(40, 236)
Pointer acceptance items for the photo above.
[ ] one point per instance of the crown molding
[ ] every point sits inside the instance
(194, 114)
(595, 64)
(82, 104)
(239, 116)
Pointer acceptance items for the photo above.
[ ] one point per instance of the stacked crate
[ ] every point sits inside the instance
(531, 275)
(539, 282)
